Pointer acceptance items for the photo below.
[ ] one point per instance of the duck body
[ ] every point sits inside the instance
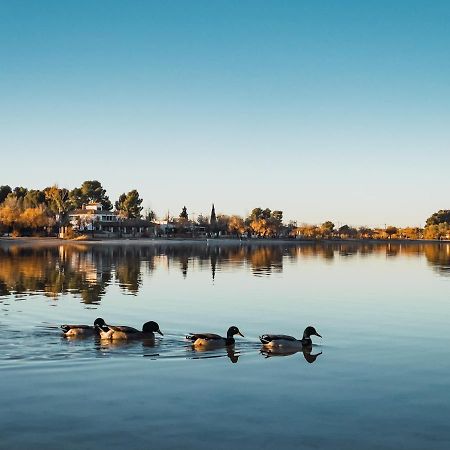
(281, 340)
(285, 341)
(110, 332)
(82, 330)
(214, 340)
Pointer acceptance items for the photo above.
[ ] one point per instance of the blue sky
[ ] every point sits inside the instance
(326, 110)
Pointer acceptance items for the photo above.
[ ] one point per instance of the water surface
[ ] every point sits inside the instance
(379, 378)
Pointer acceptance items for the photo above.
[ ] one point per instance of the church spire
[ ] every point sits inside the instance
(213, 219)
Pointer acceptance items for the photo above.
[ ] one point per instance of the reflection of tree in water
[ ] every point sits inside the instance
(314, 250)
(349, 249)
(128, 269)
(30, 271)
(438, 257)
(3, 289)
(264, 260)
(184, 263)
(392, 250)
(87, 270)
(53, 271)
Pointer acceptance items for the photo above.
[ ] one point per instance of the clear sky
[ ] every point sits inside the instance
(327, 110)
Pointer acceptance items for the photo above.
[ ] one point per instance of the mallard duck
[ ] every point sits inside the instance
(282, 340)
(82, 330)
(211, 339)
(123, 332)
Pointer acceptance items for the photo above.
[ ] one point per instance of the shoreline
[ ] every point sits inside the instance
(55, 241)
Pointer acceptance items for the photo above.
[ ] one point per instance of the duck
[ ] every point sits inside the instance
(211, 339)
(282, 340)
(82, 330)
(123, 332)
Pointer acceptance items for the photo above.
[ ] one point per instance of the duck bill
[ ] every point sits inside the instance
(240, 334)
(317, 334)
(160, 332)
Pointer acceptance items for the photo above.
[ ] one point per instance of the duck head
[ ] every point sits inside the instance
(151, 327)
(310, 331)
(99, 322)
(233, 331)
(100, 325)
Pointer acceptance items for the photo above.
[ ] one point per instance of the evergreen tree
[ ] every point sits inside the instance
(184, 214)
(442, 216)
(4, 191)
(90, 191)
(129, 205)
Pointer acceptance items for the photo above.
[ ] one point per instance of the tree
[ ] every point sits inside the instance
(35, 218)
(4, 191)
(90, 191)
(259, 226)
(93, 191)
(20, 191)
(76, 198)
(203, 220)
(129, 205)
(33, 198)
(256, 214)
(184, 214)
(327, 229)
(236, 225)
(9, 217)
(309, 231)
(390, 231)
(411, 232)
(259, 213)
(222, 222)
(347, 232)
(365, 232)
(277, 216)
(14, 202)
(440, 231)
(264, 222)
(150, 215)
(275, 222)
(58, 200)
(442, 216)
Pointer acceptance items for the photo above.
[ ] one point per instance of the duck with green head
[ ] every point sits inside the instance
(214, 340)
(283, 340)
(82, 330)
(111, 332)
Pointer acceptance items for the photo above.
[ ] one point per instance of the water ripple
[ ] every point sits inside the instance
(46, 343)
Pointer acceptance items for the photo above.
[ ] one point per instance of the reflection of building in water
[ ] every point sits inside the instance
(84, 263)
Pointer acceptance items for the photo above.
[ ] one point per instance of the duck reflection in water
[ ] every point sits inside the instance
(205, 352)
(123, 346)
(123, 343)
(280, 351)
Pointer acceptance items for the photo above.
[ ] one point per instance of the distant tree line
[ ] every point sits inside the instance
(26, 211)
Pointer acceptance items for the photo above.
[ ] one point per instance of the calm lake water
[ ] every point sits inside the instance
(380, 377)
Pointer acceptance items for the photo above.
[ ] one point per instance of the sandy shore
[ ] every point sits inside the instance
(49, 241)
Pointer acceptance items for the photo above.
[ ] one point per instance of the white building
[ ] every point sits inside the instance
(89, 217)
(92, 218)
